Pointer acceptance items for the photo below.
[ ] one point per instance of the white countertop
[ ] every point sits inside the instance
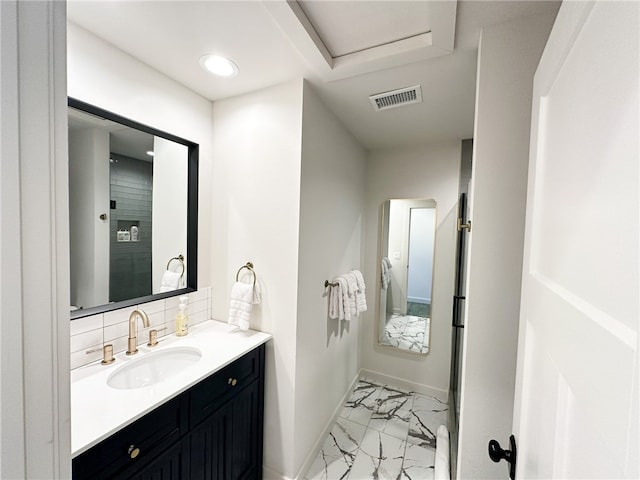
(98, 410)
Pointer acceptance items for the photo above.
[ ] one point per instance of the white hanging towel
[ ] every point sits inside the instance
(335, 297)
(242, 296)
(343, 300)
(352, 291)
(386, 274)
(361, 299)
(170, 281)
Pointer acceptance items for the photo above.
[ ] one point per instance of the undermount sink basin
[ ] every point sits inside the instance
(153, 367)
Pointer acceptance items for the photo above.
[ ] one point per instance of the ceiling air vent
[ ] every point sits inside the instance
(396, 98)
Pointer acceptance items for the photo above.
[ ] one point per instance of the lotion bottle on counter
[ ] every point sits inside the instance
(182, 318)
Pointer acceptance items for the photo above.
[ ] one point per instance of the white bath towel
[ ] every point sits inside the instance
(352, 290)
(240, 304)
(361, 298)
(170, 281)
(441, 467)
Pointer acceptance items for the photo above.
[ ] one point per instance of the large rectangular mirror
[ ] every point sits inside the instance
(407, 245)
(133, 211)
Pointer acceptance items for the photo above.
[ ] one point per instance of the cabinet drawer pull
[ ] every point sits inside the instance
(232, 381)
(133, 451)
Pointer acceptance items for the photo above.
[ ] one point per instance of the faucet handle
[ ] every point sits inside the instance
(153, 336)
(107, 353)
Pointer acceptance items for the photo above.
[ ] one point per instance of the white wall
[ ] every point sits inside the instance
(34, 243)
(105, 76)
(332, 193)
(88, 199)
(396, 292)
(169, 223)
(507, 60)
(256, 210)
(429, 171)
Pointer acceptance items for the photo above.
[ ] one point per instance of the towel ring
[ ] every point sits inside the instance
(179, 258)
(248, 266)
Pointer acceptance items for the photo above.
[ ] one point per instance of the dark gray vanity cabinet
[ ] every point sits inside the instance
(213, 431)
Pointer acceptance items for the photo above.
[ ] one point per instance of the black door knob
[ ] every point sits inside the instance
(497, 453)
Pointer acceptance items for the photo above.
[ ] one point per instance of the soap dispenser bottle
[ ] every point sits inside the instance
(182, 318)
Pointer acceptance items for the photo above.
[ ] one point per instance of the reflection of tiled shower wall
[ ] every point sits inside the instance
(130, 263)
(93, 332)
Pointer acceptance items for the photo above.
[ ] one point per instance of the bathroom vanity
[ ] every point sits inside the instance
(210, 427)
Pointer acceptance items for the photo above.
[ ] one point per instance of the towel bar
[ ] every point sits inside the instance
(327, 283)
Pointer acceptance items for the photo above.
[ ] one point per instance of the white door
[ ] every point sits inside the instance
(576, 403)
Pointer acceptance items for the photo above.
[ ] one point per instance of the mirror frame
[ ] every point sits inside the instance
(192, 210)
(379, 290)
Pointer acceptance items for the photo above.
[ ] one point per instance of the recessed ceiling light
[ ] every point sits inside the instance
(221, 66)
(150, 153)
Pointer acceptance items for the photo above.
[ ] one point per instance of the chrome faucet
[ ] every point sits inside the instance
(133, 347)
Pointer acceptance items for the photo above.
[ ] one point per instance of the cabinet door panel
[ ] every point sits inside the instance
(208, 441)
(245, 434)
(213, 392)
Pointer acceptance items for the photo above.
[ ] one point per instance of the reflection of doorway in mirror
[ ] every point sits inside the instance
(408, 236)
(420, 261)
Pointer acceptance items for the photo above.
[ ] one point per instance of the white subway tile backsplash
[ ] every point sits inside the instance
(117, 330)
(117, 316)
(172, 302)
(171, 328)
(153, 307)
(197, 307)
(84, 341)
(113, 327)
(80, 358)
(201, 294)
(119, 344)
(156, 320)
(85, 324)
(198, 317)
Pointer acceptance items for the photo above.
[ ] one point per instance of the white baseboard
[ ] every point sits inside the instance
(423, 300)
(442, 395)
(268, 474)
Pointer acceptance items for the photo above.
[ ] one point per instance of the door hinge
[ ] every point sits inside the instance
(464, 225)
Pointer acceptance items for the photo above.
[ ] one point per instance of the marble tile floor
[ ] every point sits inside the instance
(407, 332)
(382, 433)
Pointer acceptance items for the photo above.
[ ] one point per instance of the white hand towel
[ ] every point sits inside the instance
(361, 299)
(257, 293)
(170, 281)
(441, 467)
(240, 304)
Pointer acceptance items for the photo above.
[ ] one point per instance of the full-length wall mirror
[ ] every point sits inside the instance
(133, 211)
(407, 243)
